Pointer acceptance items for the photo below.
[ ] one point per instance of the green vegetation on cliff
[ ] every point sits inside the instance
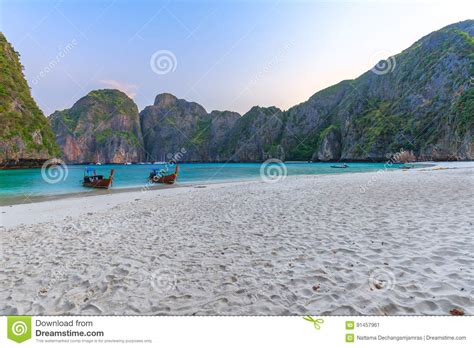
(465, 112)
(423, 101)
(99, 106)
(25, 131)
(104, 125)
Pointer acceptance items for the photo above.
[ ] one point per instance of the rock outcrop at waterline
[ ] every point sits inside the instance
(103, 126)
(26, 138)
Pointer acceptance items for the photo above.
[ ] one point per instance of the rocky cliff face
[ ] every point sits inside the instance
(26, 139)
(329, 146)
(423, 103)
(103, 126)
(171, 124)
(256, 136)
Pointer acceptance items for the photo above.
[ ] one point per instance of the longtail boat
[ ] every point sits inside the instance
(91, 179)
(343, 166)
(159, 176)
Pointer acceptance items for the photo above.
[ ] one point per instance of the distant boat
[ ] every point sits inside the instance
(127, 163)
(161, 162)
(98, 163)
(91, 179)
(157, 176)
(340, 166)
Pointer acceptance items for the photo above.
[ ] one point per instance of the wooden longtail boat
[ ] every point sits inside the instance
(158, 176)
(91, 179)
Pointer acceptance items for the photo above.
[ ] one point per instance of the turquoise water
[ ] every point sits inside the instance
(23, 183)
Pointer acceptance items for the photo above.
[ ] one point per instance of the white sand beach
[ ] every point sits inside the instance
(388, 243)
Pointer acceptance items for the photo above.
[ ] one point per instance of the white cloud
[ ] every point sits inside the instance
(130, 90)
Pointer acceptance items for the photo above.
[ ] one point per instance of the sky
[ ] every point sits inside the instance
(224, 55)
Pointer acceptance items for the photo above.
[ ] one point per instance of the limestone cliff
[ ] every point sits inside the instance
(103, 126)
(26, 139)
(171, 124)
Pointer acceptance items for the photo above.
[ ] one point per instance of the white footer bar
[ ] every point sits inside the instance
(312, 331)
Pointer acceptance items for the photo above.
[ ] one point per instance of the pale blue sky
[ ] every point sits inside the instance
(230, 54)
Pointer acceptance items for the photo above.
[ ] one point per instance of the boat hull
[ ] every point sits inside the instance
(98, 181)
(165, 179)
(103, 184)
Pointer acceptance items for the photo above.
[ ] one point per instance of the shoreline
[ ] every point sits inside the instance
(54, 207)
(18, 200)
(305, 244)
(6, 166)
(15, 200)
(93, 192)
(77, 204)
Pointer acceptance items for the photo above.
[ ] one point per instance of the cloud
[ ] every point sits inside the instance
(130, 90)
